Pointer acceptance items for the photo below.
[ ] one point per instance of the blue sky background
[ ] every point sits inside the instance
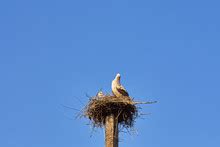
(54, 52)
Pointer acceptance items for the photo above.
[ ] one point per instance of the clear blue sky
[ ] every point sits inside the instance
(54, 52)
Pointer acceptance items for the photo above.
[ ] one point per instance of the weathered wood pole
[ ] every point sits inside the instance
(111, 131)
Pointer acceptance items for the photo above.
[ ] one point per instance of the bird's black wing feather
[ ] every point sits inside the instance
(123, 91)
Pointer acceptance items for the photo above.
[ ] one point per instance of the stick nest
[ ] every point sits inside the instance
(123, 108)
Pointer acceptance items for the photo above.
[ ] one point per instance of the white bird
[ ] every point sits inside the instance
(100, 94)
(117, 89)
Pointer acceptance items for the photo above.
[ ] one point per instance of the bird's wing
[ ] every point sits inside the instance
(122, 90)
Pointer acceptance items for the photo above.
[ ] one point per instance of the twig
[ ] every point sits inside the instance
(70, 108)
(135, 103)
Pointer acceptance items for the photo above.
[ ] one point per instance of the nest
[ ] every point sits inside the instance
(123, 109)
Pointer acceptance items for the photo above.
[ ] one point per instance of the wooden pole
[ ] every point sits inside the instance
(111, 131)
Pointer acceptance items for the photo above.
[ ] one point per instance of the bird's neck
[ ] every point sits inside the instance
(117, 81)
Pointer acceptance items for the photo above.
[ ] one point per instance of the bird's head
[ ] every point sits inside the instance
(118, 76)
